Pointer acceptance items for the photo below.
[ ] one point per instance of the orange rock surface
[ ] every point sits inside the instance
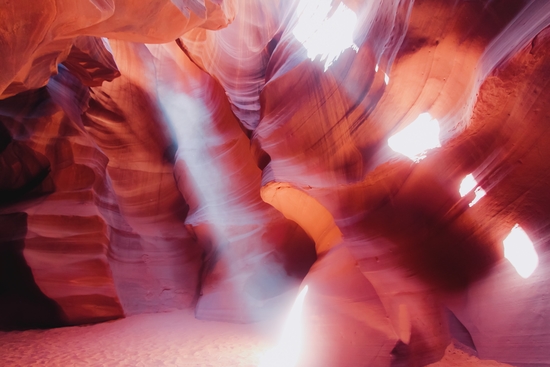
(214, 155)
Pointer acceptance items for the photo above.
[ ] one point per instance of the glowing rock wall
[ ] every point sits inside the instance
(202, 155)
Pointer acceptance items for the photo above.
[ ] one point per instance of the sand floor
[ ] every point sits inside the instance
(165, 339)
(457, 358)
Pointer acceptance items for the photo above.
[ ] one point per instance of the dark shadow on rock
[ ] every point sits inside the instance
(400, 355)
(22, 303)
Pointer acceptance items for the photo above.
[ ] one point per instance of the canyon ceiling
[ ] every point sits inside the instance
(216, 154)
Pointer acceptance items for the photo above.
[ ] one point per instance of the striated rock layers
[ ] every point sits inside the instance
(215, 155)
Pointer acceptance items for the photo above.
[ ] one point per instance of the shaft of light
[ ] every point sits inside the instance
(288, 350)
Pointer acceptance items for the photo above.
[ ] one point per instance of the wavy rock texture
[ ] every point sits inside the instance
(65, 236)
(212, 171)
(36, 37)
(154, 257)
(252, 253)
(325, 134)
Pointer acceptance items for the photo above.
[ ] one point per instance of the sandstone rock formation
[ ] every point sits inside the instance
(216, 154)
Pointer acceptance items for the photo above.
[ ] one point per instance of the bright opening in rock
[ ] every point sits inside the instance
(325, 31)
(417, 138)
(521, 253)
(479, 194)
(288, 350)
(467, 185)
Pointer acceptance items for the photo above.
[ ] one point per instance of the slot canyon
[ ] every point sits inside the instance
(275, 183)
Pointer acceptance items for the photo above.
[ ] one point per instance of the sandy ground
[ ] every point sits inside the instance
(165, 339)
(457, 358)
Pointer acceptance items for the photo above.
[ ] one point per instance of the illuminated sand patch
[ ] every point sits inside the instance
(325, 31)
(521, 253)
(165, 339)
(417, 138)
(456, 357)
(175, 339)
(288, 350)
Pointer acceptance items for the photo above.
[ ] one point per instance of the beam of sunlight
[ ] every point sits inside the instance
(417, 138)
(287, 352)
(521, 253)
(325, 31)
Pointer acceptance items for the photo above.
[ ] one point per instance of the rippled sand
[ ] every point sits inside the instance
(165, 339)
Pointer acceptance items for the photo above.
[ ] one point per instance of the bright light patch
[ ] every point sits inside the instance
(376, 68)
(519, 250)
(417, 138)
(287, 352)
(479, 194)
(324, 31)
(467, 185)
(386, 79)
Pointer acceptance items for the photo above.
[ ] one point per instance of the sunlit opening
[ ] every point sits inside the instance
(479, 192)
(417, 138)
(325, 31)
(519, 250)
(287, 352)
(467, 185)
